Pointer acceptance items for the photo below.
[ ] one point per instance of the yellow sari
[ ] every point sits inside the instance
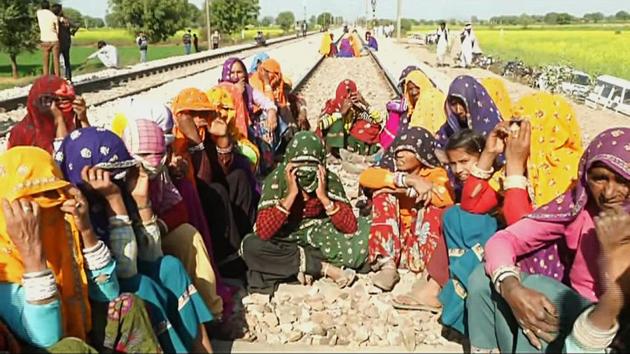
(25, 172)
(324, 48)
(500, 95)
(428, 112)
(556, 144)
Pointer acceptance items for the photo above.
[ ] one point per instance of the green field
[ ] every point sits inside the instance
(595, 50)
(84, 44)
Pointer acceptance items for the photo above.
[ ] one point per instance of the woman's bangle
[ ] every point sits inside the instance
(502, 273)
(400, 179)
(196, 148)
(334, 211)
(481, 174)
(515, 182)
(330, 206)
(282, 209)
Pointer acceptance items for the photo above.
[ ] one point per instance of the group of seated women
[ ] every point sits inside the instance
(350, 45)
(119, 239)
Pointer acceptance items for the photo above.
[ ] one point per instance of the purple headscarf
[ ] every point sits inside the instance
(226, 76)
(484, 115)
(96, 147)
(612, 148)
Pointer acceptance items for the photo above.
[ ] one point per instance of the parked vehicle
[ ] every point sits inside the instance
(612, 93)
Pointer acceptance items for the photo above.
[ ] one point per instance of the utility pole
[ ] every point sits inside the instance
(398, 14)
(208, 23)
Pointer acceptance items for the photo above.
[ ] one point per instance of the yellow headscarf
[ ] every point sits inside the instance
(556, 144)
(356, 44)
(24, 172)
(221, 100)
(324, 48)
(500, 95)
(429, 111)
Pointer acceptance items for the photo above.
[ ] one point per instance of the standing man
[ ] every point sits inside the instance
(442, 44)
(187, 40)
(216, 39)
(49, 36)
(468, 40)
(143, 44)
(66, 30)
(304, 28)
(196, 42)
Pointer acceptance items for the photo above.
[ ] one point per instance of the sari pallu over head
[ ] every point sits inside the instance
(95, 147)
(145, 141)
(308, 150)
(556, 145)
(500, 95)
(276, 80)
(226, 76)
(148, 110)
(417, 140)
(38, 128)
(483, 114)
(26, 172)
(611, 148)
(256, 61)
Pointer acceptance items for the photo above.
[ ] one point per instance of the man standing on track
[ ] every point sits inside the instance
(49, 36)
(187, 40)
(66, 30)
(442, 44)
(143, 44)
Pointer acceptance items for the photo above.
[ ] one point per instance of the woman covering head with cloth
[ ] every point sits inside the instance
(145, 141)
(542, 147)
(410, 190)
(591, 220)
(53, 110)
(53, 264)
(305, 226)
(222, 176)
(468, 105)
(328, 47)
(345, 47)
(396, 111)
(348, 122)
(500, 95)
(256, 61)
(96, 161)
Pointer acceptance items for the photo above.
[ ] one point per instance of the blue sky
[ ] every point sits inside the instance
(427, 9)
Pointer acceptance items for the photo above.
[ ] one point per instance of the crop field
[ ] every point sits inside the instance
(595, 50)
(84, 44)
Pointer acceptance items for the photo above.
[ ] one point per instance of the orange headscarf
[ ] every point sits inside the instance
(26, 171)
(275, 80)
(228, 101)
(190, 99)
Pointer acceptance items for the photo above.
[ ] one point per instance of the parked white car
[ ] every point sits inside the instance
(612, 93)
(579, 86)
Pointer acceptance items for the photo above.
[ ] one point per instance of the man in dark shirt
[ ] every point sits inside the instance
(196, 42)
(66, 31)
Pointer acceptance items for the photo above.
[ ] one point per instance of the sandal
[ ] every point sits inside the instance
(386, 278)
(408, 302)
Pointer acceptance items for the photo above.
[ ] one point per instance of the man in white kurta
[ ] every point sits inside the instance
(107, 54)
(442, 44)
(468, 40)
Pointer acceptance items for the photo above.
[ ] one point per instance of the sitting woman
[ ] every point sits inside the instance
(96, 161)
(410, 191)
(269, 79)
(221, 175)
(396, 111)
(145, 141)
(57, 276)
(328, 47)
(52, 111)
(468, 105)
(260, 111)
(256, 61)
(372, 44)
(542, 147)
(345, 47)
(348, 122)
(305, 226)
(518, 312)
